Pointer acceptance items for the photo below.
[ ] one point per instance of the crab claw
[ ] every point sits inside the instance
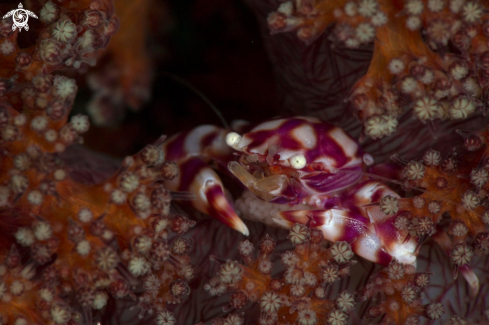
(197, 177)
(219, 208)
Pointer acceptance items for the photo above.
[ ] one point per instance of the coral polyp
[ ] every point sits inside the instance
(190, 228)
(428, 56)
(64, 240)
(300, 295)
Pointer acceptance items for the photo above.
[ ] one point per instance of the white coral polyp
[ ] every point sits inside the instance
(434, 207)
(389, 205)
(380, 125)
(35, 197)
(472, 87)
(434, 310)
(341, 252)
(83, 247)
(64, 31)
(415, 170)
(409, 294)
(337, 317)
(461, 107)
(234, 319)
(472, 12)
(50, 52)
(287, 8)
(39, 123)
(352, 43)
(138, 266)
(100, 300)
(309, 279)
(459, 71)
(152, 283)
(19, 183)
(60, 314)
(7, 47)
(48, 13)
(246, 248)
(43, 230)
(396, 270)
(230, 272)
(432, 158)
(141, 202)
(59, 174)
(396, 66)
(345, 301)
(215, 287)
(307, 317)
(408, 85)
(402, 223)
(20, 320)
(64, 87)
(118, 197)
(265, 267)
(428, 77)
(129, 182)
(436, 5)
(289, 258)
(470, 200)
(20, 120)
(106, 259)
(351, 9)
(414, 7)
(413, 23)
(143, 244)
(86, 40)
(165, 318)
(270, 303)
(379, 19)
(479, 177)
(85, 215)
(426, 108)
(51, 135)
(365, 32)
(46, 294)
(368, 8)
(80, 123)
(24, 236)
(299, 234)
(17, 288)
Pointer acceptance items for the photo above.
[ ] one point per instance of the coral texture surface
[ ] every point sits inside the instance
(398, 90)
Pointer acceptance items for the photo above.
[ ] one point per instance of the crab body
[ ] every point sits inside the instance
(294, 161)
(272, 150)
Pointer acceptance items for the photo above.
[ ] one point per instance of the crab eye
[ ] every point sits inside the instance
(232, 139)
(298, 161)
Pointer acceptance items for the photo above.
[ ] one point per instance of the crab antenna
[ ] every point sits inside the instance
(198, 93)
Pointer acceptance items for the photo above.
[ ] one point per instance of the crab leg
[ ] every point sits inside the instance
(442, 239)
(341, 225)
(364, 198)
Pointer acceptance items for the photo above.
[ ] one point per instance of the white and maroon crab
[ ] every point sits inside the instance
(299, 161)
